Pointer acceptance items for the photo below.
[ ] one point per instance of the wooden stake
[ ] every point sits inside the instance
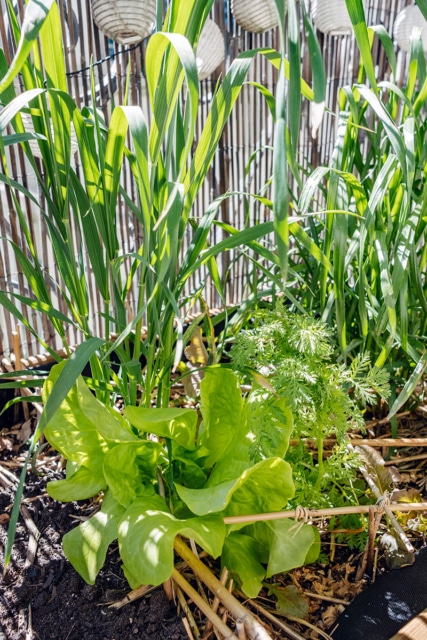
(240, 629)
(393, 461)
(384, 506)
(367, 563)
(187, 628)
(34, 537)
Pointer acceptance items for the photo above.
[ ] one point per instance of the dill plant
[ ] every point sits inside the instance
(295, 354)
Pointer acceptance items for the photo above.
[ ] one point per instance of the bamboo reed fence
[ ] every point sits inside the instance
(250, 128)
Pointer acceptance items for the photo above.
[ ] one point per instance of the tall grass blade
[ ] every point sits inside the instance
(294, 91)
(35, 15)
(387, 43)
(409, 387)
(357, 16)
(318, 72)
(390, 127)
(422, 5)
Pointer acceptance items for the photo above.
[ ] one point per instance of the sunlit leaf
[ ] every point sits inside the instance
(146, 536)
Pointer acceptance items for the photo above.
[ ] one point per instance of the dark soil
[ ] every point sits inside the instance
(48, 600)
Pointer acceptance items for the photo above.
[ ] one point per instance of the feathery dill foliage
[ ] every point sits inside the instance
(295, 353)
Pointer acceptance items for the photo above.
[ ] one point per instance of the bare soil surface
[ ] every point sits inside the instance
(46, 599)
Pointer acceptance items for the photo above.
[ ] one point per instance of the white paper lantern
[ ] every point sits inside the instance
(125, 21)
(34, 145)
(210, 49)
(406, 20)
(331, 17)
(255, 15)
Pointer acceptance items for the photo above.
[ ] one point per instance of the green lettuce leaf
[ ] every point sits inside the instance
(240, 556)
(110, 424)
(146, 536)
(290, 544)
(79, 486)
(83, 429)
(221, 407)
(265, 427)
(178, 425)
(129, 466)
(267, 486)
(188, 467)
(86, 546)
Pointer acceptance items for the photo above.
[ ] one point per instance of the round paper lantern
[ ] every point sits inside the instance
(406, 20)
(125, 21)
(210, 50)
(34, 146)
(255, 15)
(331, 17)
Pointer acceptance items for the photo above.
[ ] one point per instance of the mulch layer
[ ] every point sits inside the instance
(42, 597)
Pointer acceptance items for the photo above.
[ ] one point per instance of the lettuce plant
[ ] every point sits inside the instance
(164, 472)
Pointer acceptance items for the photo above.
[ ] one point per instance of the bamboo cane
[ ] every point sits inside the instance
(253, 628)
(215, 604)
(372, 442)
(202, 605)
(310, 514)
(383, 504)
